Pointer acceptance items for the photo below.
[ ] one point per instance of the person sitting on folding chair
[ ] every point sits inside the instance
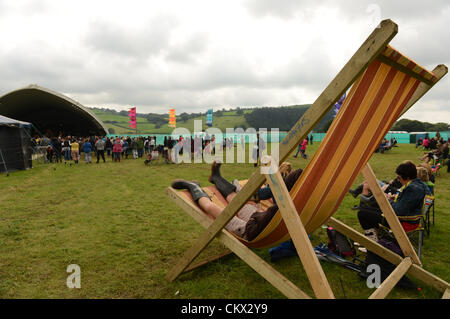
(434, 154)
(251, 219)
(408, 202)
(422, 174)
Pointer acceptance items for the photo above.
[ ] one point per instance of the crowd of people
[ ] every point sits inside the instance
(70, 148)
(386, 145)
(436, 149)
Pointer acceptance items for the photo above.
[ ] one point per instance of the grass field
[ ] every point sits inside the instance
(115, 221)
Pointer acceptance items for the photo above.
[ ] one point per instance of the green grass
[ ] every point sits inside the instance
(115, 221)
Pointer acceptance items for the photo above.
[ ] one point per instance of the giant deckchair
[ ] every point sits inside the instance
(385, 83)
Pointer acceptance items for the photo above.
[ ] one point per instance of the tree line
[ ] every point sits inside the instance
(417, 126)
(283, 118)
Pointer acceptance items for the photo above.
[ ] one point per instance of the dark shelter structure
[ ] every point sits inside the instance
(15, 145)
(51, 113)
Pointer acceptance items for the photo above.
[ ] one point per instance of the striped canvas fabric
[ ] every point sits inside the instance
(374, 103)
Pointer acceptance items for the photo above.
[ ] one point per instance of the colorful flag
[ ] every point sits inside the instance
(132, 116)
(209, 117)
(338, 105)
(172, 118)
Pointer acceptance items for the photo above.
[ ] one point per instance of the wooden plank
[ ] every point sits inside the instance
(446, 294)
(280, 282)
(299, 236)
(415, 271)
(389, 283)
(369, 50)
(364, 241)
(389, 214)
(404, 69)
(206, 261)
(430, 279)
(277, 280)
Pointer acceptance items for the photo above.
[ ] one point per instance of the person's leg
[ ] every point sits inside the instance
(265, 193)
(298, 150)
(103, 156)
(370, 219)
(227, 189)
(357, 191)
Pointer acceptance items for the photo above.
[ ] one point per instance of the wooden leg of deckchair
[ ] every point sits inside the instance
(280, 282)
(415, 271)
(206, 261)
(298, 234)
(385, 288)
(389, 214)
(277, 280)
(446, 294)
(368, 51)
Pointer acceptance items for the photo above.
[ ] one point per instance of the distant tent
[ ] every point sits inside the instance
(15, 145)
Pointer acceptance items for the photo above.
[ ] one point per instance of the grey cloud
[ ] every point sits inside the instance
(286, 9)
(189, 50)
(350, 9)
(115, 39)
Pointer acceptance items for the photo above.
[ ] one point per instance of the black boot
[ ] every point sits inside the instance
(357, 191)
(224, 186)
(196, 191)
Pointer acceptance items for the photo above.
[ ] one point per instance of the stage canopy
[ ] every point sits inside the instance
(51, 113)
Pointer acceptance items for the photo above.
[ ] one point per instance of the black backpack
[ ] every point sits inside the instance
(339, 244)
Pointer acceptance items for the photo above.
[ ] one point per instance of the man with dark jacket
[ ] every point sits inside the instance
(57, 147)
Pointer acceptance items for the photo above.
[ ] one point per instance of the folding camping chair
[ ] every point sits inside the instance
(385, 85)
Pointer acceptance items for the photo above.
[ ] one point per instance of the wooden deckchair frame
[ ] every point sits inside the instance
(369, 50)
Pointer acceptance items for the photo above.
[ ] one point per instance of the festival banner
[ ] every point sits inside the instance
(132, 116)
(172, 118)
(338, 105)
(209, 117)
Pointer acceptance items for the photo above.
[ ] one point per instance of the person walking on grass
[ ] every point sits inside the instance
(87, 149)
(134, 147)
(302, 149)
(108, 146)
(117, 150)
(100, 146)
(140, 148)
(75, 151)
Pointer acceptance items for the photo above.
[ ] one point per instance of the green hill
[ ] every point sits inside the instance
(283, 117)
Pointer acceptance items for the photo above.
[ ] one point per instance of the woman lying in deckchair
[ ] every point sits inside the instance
(251, 219)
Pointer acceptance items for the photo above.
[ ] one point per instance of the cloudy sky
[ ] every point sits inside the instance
(197, 54)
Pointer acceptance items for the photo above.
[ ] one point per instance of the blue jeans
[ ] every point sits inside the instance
(298, 150)
(67, 154)
(266, 193)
